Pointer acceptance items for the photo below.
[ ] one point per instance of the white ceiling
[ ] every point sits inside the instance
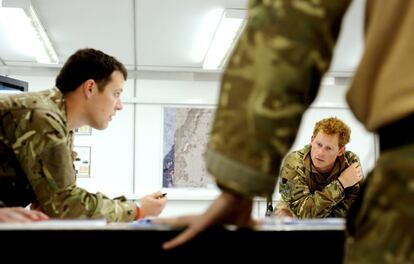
(149, 35)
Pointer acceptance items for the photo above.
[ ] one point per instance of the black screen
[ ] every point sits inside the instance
(10, 85)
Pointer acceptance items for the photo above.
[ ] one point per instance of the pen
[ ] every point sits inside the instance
(162, 195)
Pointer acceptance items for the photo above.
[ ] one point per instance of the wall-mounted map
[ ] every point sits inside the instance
(186, 133)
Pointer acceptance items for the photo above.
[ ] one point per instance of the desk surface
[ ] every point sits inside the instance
(300, 241)
(267, 224)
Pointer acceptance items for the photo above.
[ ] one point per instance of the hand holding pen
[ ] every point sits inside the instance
(153, 204)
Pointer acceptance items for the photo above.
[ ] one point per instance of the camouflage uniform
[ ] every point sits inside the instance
(272, 77)
(36, 163)
(380, 230)
(324, 198)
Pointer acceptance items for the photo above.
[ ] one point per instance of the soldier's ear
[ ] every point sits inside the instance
(88, 87)
(341, 151)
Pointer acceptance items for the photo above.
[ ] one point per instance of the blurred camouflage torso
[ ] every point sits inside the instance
(272, 76)
(321, 197)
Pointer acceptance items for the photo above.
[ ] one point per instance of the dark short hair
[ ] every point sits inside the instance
(87, 64)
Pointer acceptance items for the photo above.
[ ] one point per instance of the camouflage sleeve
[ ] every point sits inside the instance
(342, 209)
(272, 77)
(295, 192)
(45, 154)
(352, 158)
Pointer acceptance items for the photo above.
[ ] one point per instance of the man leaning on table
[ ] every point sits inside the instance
(36, 143)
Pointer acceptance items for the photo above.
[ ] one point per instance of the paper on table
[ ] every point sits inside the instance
(146, 223)
(58, 224)
(287, 223)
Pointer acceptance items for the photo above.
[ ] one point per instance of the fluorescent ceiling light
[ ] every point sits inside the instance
(27, 31)
(227, 33)
(205, 34)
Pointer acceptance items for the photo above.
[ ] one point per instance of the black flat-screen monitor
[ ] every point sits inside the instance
(10, 85)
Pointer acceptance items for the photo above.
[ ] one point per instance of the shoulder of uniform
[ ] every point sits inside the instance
(293, 157)
(351, 157)
(292, 161)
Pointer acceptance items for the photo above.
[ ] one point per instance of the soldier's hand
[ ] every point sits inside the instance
(226, 209)
(152, 204)
(20, 215)
(351, 176)
(283, 212)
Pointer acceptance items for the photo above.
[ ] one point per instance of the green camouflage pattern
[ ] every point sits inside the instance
(329, 199)
(36, 164)
(381, 230)
(272, 77)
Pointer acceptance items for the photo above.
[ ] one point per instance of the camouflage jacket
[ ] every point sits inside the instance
(36, 161)
(325, 196)
(271, 78)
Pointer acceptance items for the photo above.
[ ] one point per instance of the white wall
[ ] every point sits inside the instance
(127, 157)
